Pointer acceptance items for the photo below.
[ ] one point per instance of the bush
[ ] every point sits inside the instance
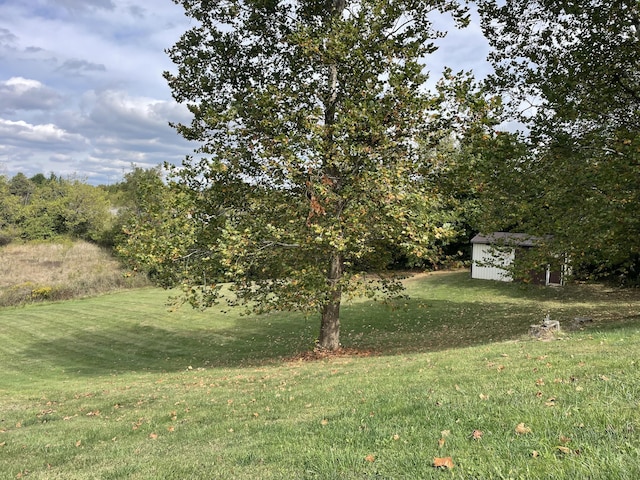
(6, 237)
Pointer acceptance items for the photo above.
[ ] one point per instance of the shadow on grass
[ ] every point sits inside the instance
(143, 348)
(381, 329)
(447, 311)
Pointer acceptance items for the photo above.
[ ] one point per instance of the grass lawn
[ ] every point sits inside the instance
(117, 387)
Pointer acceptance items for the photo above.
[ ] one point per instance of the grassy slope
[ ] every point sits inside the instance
(118, 387)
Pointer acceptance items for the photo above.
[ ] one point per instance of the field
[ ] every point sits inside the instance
(32, 272)
(117, 386)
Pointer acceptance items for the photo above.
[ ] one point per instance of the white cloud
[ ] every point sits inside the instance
(21, 133)
(18, 93)
(129, 116)
(81, 87)
(21, 85)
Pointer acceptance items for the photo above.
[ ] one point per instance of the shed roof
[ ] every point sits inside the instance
(516, 239)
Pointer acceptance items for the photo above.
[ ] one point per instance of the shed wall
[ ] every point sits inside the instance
(482, 254)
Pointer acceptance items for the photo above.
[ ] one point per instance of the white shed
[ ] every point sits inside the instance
(492, 253)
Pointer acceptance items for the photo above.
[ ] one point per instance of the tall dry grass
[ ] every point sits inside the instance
(58, 271)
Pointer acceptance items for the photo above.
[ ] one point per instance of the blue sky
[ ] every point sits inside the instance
(81, 87)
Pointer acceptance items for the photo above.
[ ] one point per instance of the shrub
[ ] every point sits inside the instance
(6, 237)
(42, 293)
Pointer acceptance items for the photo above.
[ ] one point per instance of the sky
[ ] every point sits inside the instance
(82, 93)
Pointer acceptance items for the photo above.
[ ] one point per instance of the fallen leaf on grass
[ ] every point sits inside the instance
(477, 434)
(443, 462)
(535, 454)
(441, 442)
(564, 439)
(521, 429)
(565, 450)
(3, 444)
(445, 433)
(484, 397)
(324, 421)
(78, 443)
(153, 436)
(370, 458)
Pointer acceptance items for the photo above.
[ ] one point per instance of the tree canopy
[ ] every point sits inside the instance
(570, 72)
(42, 207)
(314, 127)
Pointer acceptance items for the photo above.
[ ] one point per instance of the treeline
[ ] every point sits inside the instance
(49, 207)
(41, 208)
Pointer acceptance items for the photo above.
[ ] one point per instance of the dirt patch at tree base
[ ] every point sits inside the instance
(324, 354)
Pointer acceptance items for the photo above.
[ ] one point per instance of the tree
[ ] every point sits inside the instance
(158, 234)
(460, 160)
(570, 71)
(311, 117)
(21, 187)
(62, 207)
(86, 211)
(10, 206)
(128, 199)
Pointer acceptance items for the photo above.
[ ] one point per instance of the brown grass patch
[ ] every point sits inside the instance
(59, 271)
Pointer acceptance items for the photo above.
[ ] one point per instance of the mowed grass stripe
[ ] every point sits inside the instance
(109, 392)
(135, 331)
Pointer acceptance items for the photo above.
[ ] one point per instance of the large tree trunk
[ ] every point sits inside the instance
(330, 324)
